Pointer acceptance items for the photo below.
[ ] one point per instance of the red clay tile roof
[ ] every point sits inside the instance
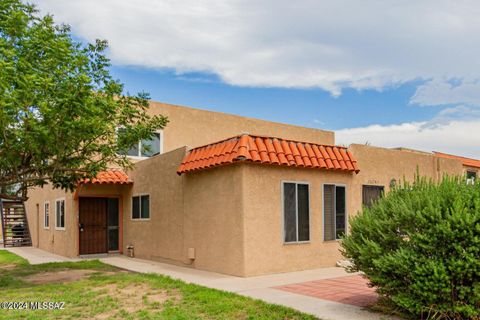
(469, 162)
(113, 176)
(268, 150)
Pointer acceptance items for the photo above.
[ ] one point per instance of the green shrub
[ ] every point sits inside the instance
(420, 246)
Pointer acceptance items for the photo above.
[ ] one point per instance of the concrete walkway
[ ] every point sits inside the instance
(37, 256)
(260, 287)
(265, 288)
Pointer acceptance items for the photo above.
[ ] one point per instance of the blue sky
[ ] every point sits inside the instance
(391, 73)
(312, 107)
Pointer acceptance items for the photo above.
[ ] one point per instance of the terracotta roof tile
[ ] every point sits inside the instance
(468, 162)
(113, 176)
(269, 150)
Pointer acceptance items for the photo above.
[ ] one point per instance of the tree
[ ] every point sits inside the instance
(60, 107)
(420, 247)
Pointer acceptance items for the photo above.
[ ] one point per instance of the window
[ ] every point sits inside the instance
(296, 212)
(141, 207)
(471, 177)
(144, 148)
(60, 214)
(46, 215)
(334, 212)
(370, 194)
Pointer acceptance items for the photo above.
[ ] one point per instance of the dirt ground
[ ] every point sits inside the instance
(133, 298)
(62, 276)
(8, 267)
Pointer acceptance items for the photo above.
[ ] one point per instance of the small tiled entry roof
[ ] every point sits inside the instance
(112, 176)
(269, 150)
(465, 161)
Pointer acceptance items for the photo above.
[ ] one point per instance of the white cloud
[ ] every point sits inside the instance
(331, 44)
(447, 115)
(456, 137)
(441, 92)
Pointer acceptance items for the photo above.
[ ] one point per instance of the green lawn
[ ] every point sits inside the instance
(91, 289)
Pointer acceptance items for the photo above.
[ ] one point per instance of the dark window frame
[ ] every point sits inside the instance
(140, 207)
(471, 175)
(296, 241)
(371, 186)
(334, 200)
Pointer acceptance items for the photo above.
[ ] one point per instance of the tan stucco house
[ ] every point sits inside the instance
(228, 194)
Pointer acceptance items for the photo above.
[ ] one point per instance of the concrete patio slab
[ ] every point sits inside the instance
(348, 290)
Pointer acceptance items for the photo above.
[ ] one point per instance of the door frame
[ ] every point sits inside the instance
(120, 219)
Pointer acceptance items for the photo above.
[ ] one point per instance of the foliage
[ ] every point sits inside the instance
(420, 246)
(59, 106)
(93, 297)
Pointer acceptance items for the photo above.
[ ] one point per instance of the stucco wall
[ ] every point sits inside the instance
(378, 166)
(160, 237)
(62, 242)
(201, 210)
(231, 215)
(214, 221)
(195, 127)
(472, 169)
(265, 251)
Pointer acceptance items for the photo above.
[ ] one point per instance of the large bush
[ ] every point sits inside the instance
(420, 246)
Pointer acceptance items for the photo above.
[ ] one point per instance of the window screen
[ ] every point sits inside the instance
(152, 146)
(296, 212)
(60, 214)
(290, 212)
(303, 213)
(46, 215)
(145, 207)
(329, 212)
(334, 212)
(136, 208)
(370, 194)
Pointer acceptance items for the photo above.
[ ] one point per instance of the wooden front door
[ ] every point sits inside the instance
(93, 225)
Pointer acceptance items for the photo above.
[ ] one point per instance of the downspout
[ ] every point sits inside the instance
(37, 244)
(242, 210)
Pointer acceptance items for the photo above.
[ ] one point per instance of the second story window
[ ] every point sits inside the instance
(144, 148)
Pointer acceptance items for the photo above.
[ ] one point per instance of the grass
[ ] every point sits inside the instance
(107, 292)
